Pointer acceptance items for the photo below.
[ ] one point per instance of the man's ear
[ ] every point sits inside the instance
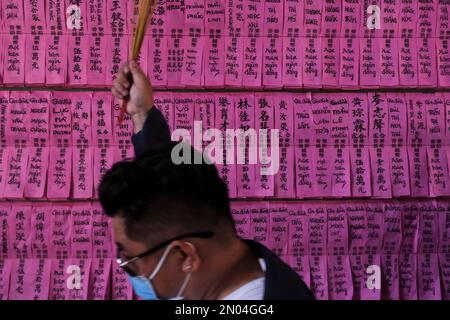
(191, 259)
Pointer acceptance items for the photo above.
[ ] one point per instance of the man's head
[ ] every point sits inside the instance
(152, 200)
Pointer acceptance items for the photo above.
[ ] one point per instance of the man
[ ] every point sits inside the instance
(174, 231)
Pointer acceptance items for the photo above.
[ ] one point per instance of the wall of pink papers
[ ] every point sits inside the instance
(331, 121)
(330, 244)
(233, 43)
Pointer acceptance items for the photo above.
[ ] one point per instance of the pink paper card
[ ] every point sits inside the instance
(82, 146)
(81, 269)
(61, 228)
(183, 118)
(234, 47)
(437, 156)
(194, 42)
(408, 64)
(318, 250)
(321, 125)
(428, 279)
(370, 54)
(292, 43)
(303, 145)
(58, 278)
(96, 62)
(35, 42)
(284, 121)
(116, 53)
(253, 44)
(242, 219)
(444, 247)
(60, 173)
(17, 128)
(349, 44)
(226, 160)
(426, 18)
(40, 233)
(389, 66)
(103, 246)
(426, 62)
(246, 151)
(117, 43)
(5, 273)
(357, 228)
(6, 239)
(379, 149)
(81, 230)
(260, 222)
(204, 124)
(121, 288)
(330, 30)
(417, 154)
(391, 247)
(78, 42)
(164, 102)
(272, 44)
(372, 257)
(408, 258)
(77, 57)
(13, 42)
(35, 56)
(157, 46)
(20, 230)
(349, 63)
(300, 264)
(340, 139)
(443, 64)
(4, 155)
(268, 145)
(312, 61)
(39, 141)
(298, 241)
(30, 279)
(157, 57)
(214, 57)
(123, 148)
(339, 270)
(397, 134)
(102, 136)
(174, 27)
(99, 279)
(278, 227)
(56, 58)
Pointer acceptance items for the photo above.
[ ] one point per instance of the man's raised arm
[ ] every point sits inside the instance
(150, 127)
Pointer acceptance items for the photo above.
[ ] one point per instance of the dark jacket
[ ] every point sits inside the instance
(281, 282)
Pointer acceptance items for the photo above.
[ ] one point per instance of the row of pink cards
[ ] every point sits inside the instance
(209, 43)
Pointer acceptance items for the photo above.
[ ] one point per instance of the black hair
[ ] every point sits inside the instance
(158, 198)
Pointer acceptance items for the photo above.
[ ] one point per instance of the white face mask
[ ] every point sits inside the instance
(143, 286)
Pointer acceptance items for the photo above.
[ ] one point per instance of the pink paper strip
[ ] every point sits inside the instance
(340, 138)
(397, 134)
(175, 43)
(284, 121)
(242, 219)
(278, 227)
(82, 146)
(214, 59)
(40, 233)
(224, 120)
(39, 142)
(321, 117)
(59, 174)
(99, 279)
(379, 150)
(303, 145)
(81, 230)
(122, 133)
(5, 273)
(292, 44)
(121, 288)
(268, 145)
(246, 151)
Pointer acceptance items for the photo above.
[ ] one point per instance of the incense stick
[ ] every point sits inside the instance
(146, 8)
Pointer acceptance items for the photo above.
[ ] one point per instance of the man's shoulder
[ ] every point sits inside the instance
(282, 282)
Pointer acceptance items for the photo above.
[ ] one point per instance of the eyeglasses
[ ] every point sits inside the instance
(123, 264)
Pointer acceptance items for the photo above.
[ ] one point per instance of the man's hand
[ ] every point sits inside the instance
(139, 93)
